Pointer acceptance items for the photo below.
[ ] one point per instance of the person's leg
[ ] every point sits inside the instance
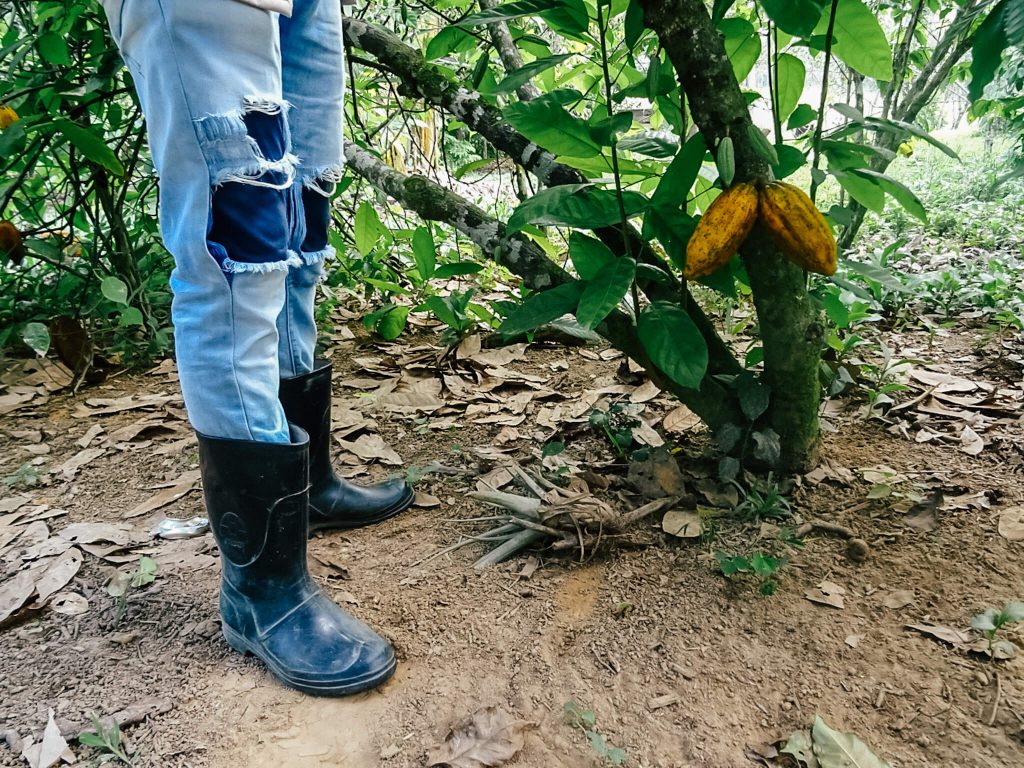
(208, 75)
(314, 84)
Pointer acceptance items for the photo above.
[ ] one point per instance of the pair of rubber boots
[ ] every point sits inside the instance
(263, 500)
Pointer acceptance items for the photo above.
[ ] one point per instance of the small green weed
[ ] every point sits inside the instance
(107, 741)
(764, 568)
(617, 424)
(991, 623)
(586, 720)
(123, 582)
(763, 500)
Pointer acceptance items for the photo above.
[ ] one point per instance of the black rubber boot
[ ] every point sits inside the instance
(256, 499)
(333, 502)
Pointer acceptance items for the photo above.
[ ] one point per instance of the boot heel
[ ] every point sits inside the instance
(235, 640)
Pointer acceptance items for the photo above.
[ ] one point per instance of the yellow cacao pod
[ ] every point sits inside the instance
(8, 116)
(798, 228)
(11, 245)
(721, 230)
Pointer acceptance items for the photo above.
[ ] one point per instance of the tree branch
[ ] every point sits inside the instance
(715, 404)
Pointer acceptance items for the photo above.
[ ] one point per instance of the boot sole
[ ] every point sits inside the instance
(343, 525)
(365, 683)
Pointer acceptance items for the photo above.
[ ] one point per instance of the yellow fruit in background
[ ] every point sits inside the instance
(798, 228)
(11, 245)
(721, 230)
(7, 116)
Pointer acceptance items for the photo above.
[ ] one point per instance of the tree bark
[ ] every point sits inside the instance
(790, 327)
(713, 402)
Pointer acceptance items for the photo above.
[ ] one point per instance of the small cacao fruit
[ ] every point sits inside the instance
(720, 231)
(726, 161)
(798, 228)
(8, 116)
(11, 245)
(763, 146)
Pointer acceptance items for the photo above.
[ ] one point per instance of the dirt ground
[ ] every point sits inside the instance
(680, 666)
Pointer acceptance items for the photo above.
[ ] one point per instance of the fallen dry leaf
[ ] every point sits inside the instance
(684, 524)
(681, 419)
(943, 633)
(59, 574)
(372, 447)
(69, 604)
(898, 599)
(827, 593)
(487, 738)
(50, 751)
(1011, 524)
(14, 593)
(971, 442)
(183, 485)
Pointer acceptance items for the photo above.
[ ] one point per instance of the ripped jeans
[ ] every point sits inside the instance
(244, 115)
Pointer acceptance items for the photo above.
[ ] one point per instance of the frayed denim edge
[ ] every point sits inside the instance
(232, 267)
(318, 257)
(326, 175)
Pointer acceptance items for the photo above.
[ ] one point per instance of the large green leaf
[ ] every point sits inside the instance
(368, 228)
(449, 40)
(791, 75)
(550, 126)
(742, 44)
(569, 15)
(91, 144)
(114, 289)
(575, 205)
(990, 41)
(900, 192)
(541, 308)
(529, 71)
(589, 255)
(605, 291)
(860, 41)
(674, 343)
(797, 17)
(424, 252)
(865, 191)
(681, 173)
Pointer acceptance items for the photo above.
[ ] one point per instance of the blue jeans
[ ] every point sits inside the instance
(244, 115)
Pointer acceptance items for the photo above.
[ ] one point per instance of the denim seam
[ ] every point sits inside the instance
(209, 202)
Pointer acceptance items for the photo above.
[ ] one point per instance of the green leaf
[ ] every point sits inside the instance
(860, 41)
(54, 49)
(605, 291)
(570, 15)
(633, 24)
(391, 324)
(37, 337)
(865, 191)
(90, 144)
(442, 310)
(368, 228)
(589, 255)
(130, 316)
(529, 71)
(543, 307)
(742, 44)
(674, 343)
(900, 192)
(456, 269)
(791, 76)
(575, 205)
(450, 40)
(797, 17)
(549, 125)
(651, 146)
(753, 395)
(842, 750)
(681, 173)
(990, 41)
(114, 289)
(802, 115)
(424, 252)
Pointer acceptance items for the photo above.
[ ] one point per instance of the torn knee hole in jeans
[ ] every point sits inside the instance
(252, 170)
